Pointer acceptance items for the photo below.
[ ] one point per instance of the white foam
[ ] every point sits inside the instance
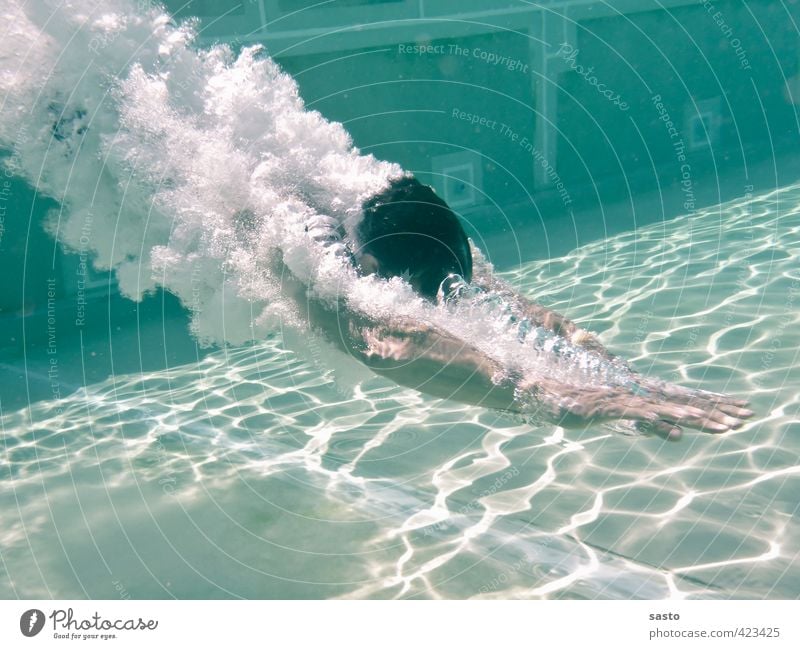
(181, 167)
(189, 168)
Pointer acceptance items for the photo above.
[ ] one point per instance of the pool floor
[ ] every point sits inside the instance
(257, 472)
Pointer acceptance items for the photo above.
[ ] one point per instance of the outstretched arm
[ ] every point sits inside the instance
(659, 408)
(435, 362)
(421, 356)
(427, 359)
(483, 277)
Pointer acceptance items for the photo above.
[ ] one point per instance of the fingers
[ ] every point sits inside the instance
(699, 409)
(735, 411)
(696, 418)
(688, 395)
(664, 410)
(711, 420)
(663, 429)
(709, 426)
(723, 413)
(719, 398)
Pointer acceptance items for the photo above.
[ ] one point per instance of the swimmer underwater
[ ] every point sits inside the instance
(408, 231)
(180, 157)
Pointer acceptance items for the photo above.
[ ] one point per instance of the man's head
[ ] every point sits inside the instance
(407, 230)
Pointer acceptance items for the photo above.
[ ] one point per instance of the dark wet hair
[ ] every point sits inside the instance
(407, 228)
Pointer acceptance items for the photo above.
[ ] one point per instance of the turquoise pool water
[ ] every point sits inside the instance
(255, 473)
(172, 427)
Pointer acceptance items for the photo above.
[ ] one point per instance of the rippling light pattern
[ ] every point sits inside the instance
(257, 474)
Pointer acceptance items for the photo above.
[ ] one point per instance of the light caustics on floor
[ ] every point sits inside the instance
(255, 473)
